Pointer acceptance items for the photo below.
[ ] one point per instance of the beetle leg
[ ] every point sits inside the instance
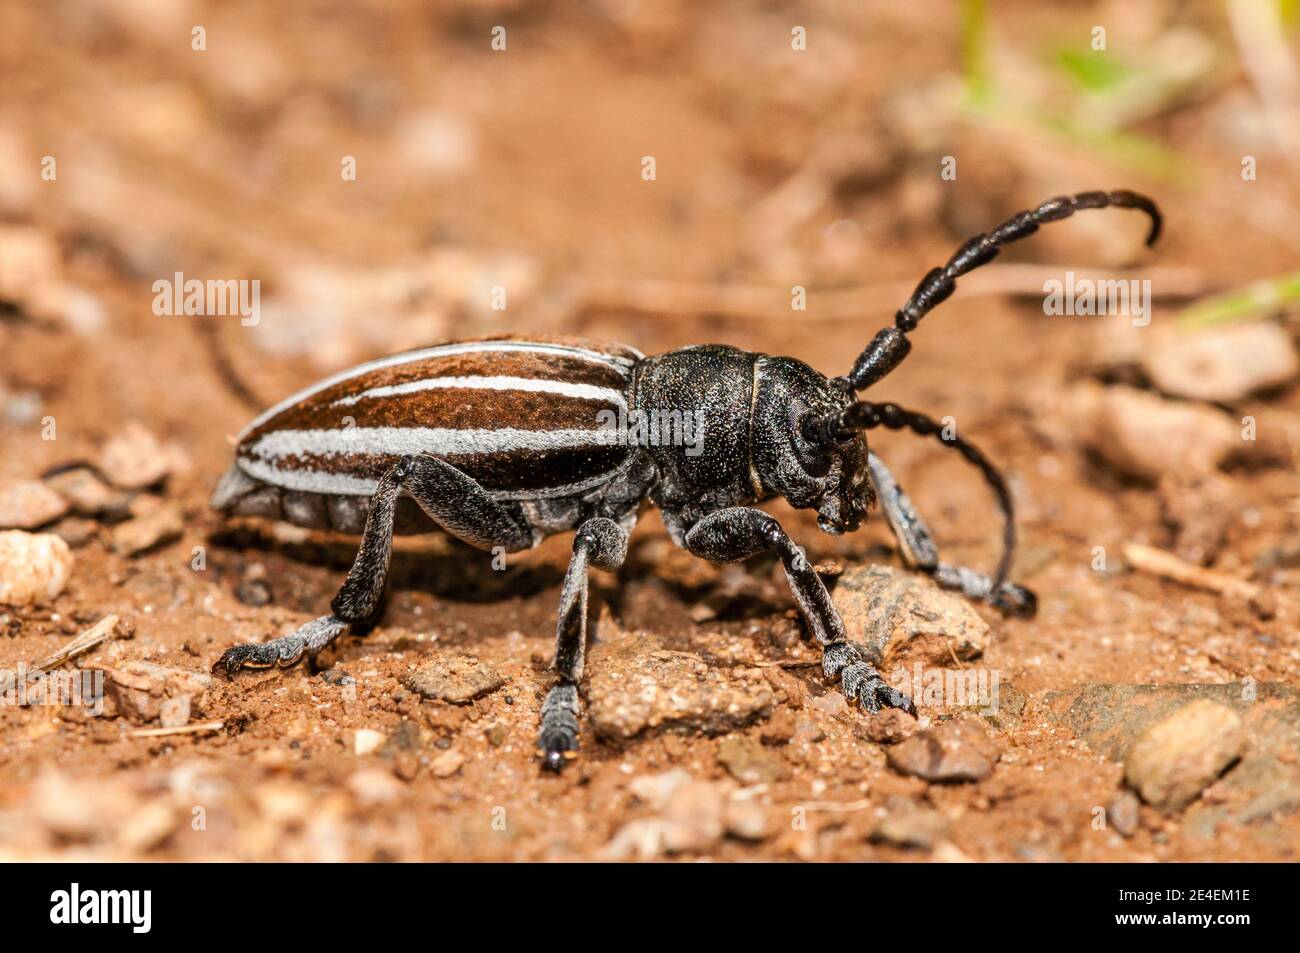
(918, 550)
(737, 533)
(451, 498)
(600, 542)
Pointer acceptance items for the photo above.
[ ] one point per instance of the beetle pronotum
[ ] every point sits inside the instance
(503, 442)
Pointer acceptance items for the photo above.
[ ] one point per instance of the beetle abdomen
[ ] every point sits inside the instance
(526, 418)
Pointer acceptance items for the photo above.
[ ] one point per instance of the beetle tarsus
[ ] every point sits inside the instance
(1015, 600)
(860, 681)
(285, 651)
(916, 544)
(559, 733)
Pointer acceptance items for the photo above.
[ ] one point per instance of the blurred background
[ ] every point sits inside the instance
(792, 145)
(663, 173)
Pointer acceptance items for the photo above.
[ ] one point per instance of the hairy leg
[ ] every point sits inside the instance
(451, 498)
(737, 533)
(602, 543)
(918, 549)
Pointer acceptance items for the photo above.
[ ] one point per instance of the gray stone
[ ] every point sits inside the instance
(87, 493)
(1122, 813)
(454, 678)
(909, 824)
(904, 617)
(138, 536)
(749, 762)
(1265, 783)
(1145, 436)
(1224, 363)
(1179, 756)
(28, 504)
(133, 458)
(637, 685)
(956, 750)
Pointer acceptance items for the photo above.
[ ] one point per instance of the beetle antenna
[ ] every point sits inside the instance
(888, 348)
(864, 415)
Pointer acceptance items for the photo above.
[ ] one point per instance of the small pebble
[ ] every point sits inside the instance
(141, 688)
(638, 685)
(904, 617)
(1122, 813)
(75, 531)
(447, 763)
(1146, 436)
(406, 765)
(1222, 364)
(133, 459)
(33, 567)
(253, 592)
(888, 726)
(957, 750)
(366, 741)
(28, 504)
(1177, 758)
(909, 824)
(749, 762)
(454, 678)
(174, 712)
(747, 819)
(87, 493)
(143, 533)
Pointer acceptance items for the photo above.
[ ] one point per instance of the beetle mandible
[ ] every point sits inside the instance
(503, 442)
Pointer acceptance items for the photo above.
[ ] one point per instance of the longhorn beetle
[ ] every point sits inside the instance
(504, 441)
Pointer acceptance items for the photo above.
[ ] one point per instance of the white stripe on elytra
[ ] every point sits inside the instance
(343, 484)
(309, 481)
(440, 441)
(564, 388)
(622, 365)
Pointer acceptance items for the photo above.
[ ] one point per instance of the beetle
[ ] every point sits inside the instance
(502, 442)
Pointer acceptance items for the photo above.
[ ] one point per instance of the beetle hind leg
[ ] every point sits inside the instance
(600, 542)
(450, 497)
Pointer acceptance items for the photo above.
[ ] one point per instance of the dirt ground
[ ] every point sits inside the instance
(524, 169)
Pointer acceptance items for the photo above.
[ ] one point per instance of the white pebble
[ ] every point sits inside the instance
(34, 567)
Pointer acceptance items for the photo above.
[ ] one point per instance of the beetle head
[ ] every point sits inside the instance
(795, 460)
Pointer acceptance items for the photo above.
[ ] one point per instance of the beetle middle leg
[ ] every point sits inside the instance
(602, 543)
(737, 533)
(452, 499)
(919, 551)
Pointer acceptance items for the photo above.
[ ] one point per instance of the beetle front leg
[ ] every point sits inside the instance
(600, 542)
(737, 533)
(450, 497)
(919, 551)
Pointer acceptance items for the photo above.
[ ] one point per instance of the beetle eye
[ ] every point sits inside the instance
(809, 430)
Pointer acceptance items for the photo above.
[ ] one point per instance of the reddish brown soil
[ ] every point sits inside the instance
(226, 163)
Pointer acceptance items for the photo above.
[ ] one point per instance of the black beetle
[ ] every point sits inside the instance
(503, 442)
